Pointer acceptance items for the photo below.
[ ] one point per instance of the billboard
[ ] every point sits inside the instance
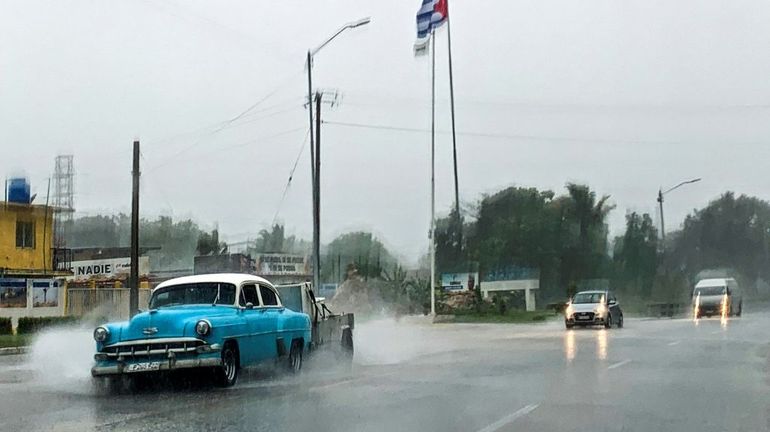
(107, 268)
(459, 281)
(13, 293)
(282, 265)
(45, 293)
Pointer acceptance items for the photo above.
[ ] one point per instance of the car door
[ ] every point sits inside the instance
(249, 302)
(272, 311)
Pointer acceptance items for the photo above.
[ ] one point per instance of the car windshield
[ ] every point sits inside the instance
(583, 298)
(709, 291)
(194, 293)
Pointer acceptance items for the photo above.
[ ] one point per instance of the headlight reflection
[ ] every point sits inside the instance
(570, 348)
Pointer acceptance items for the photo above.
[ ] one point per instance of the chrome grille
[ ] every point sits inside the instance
(150, 348)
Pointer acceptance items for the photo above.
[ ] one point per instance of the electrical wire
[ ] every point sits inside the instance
(291, 177)
(496, 135)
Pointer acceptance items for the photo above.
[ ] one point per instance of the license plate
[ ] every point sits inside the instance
(143, 367)
(582, 317)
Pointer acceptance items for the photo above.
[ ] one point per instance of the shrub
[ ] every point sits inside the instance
(6, 327)
(32, 325)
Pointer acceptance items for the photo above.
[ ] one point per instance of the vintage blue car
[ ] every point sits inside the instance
(218, 321)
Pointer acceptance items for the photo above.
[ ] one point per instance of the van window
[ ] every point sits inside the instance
(709, 291)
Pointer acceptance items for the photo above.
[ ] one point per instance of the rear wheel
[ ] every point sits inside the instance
(295, 356)
(620, 321)
(227, 374)
(740, 309)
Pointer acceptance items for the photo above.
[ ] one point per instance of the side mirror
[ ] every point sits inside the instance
(249, 305)
(613, 302)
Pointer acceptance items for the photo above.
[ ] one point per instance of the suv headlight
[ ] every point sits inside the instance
(203, 327)
(568, 311)
(101, 334)
(601, 310)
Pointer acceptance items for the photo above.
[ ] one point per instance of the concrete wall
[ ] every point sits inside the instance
(111, 303)
(37, 258)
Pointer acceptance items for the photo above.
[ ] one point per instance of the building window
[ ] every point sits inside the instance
(25, 234)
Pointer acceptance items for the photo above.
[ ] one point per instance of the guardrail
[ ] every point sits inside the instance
(666, 309)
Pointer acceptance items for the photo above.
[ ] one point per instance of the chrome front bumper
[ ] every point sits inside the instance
(169, 354)
(165, 365)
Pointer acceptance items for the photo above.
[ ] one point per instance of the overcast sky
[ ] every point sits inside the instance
(625, 96)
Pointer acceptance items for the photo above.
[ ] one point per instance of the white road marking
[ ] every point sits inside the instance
(618, 364)
(674, 343)
(509, 418)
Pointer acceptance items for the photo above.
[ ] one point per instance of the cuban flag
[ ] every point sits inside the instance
(432, 14)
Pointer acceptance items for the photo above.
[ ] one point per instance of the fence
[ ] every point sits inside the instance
(110, 303)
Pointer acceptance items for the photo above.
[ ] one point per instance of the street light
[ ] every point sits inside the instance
(315, 151)
(661, 193)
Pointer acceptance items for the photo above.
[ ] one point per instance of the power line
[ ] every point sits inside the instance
(225, 124)
(291, 177)
(496, 135)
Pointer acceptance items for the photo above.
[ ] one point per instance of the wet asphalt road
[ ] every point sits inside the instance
(653, 375)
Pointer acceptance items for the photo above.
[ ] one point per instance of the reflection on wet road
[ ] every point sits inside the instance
(683, 375)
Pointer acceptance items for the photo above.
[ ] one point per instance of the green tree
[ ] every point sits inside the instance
(729, 233)
(360, 248)
(209, 244)
(635, 257)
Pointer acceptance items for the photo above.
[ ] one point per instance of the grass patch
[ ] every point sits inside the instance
(510, 317)
(7, 341)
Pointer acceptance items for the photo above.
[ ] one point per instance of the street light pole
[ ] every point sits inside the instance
(662, 220)
(315, 150)
(661, 193)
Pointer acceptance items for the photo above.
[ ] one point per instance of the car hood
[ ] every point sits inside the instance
(584, 307)
(175, 321)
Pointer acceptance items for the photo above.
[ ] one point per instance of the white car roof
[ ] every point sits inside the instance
(718, 282)
(233, 278)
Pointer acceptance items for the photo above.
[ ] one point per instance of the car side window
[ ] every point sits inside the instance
(269, 297)
(249, 295)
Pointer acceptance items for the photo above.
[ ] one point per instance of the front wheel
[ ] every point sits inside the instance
(740, 309)
(608, 322)
(227, 374)
(568, 326)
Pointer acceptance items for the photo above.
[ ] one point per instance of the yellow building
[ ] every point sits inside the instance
(26, 239)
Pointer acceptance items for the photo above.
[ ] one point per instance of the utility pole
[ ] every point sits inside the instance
(133, 303)
(317, 197)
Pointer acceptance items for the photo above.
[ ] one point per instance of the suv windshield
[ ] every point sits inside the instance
(582, 298)
(709, 291)
(194, 293)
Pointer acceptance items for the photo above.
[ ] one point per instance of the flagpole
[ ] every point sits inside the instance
(452, 108)
(433, 177)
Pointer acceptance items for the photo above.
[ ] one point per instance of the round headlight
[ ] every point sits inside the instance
(101, 334)
(202, 327)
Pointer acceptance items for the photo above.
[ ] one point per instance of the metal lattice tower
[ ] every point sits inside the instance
(63, 198)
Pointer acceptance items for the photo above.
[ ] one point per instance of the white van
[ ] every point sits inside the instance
(710, 296)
